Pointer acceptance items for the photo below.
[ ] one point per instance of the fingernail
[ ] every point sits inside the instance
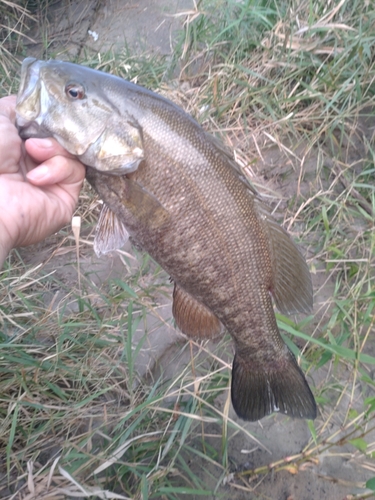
(45, 143)
(38, 173)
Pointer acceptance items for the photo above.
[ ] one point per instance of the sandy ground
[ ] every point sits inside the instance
(149, 25)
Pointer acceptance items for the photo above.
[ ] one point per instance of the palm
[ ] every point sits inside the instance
(35, 206)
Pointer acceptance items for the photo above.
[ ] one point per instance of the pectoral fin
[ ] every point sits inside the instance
(132, 204)
(143, 204)
(192, 317)
(110, 234)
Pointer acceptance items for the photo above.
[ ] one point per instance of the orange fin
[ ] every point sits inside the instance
(192, 317)
(258, 391)
(110, 233)
(292, 290)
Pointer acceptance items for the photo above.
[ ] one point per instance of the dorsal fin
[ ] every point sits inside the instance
(192, 317)
(292, 289)
(230, 161)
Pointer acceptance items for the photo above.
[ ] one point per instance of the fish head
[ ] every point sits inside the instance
(70, 103)
(54, 102)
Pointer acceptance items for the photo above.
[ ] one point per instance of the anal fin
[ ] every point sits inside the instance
(259, 390)
(192, 317)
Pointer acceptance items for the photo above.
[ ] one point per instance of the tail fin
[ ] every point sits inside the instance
(258, 390)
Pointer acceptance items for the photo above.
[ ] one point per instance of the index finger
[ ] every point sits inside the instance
(7, 107)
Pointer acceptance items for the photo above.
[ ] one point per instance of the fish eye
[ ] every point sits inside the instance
(75, 91)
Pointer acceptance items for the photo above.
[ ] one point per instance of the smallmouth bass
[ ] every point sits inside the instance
(181, 197)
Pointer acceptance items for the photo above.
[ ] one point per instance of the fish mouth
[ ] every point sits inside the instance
(31, 101)
(29, 129)
(29, 86)
(28, 105)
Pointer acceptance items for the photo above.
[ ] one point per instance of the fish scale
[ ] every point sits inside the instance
(181, 197)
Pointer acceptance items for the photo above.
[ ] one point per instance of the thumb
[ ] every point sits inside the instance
(58, 170)
(43, 149)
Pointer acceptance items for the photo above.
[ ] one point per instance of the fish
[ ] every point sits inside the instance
(178, 194)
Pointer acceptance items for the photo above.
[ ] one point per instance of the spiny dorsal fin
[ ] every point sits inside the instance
(231, 162)
(110, 233)
(292, 289)
(192, 317)
(259, 389)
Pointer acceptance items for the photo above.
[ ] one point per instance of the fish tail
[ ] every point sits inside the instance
(260, 389)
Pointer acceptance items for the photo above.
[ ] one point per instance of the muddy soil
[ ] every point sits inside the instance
(146, 25)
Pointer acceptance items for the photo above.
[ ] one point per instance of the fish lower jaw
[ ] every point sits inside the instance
(27, 130)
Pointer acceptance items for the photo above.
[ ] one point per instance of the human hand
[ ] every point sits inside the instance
(39, 185)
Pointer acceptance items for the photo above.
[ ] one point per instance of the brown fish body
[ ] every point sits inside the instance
(189, 207)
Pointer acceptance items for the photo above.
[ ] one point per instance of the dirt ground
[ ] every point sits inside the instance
(149, 25)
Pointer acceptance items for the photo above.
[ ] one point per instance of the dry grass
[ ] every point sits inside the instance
(15, 20)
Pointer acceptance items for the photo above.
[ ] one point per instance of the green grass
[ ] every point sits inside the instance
(69, 389)
(293, 79)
